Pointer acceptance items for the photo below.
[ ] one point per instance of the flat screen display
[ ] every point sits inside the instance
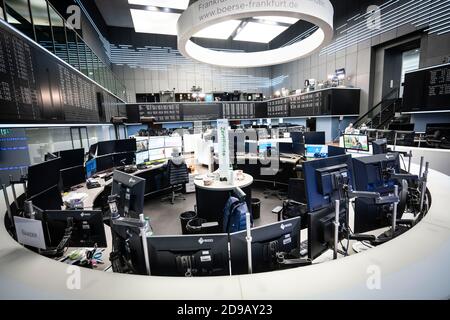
(141, 145)
(172, 142)
(142, 157)
(91, 168)
(316, 151)
(156, 142)
(356, 142)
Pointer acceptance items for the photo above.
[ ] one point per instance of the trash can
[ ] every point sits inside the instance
(194, 226)
(256, 208)
(184, 219)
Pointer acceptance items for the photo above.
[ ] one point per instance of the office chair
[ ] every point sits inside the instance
(178, 177)
(273, 190)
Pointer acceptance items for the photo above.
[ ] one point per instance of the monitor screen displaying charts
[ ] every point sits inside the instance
(172, 142)
(156, 143)
(356, 142)
(156, 154)
(141, 144)
(142, 157)
(316, 151)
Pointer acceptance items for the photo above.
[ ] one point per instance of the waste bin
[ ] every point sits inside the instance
(194, 226)
(184, 219)
(256, 208)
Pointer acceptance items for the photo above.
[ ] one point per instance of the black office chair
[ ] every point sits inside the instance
(178, 177)
(273, 189)
(295, 206)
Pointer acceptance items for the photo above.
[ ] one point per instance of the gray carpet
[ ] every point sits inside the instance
(164, 217)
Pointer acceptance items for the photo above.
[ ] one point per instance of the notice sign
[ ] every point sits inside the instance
(30, 232)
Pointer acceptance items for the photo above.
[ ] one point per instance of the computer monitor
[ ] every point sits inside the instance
(105, 162)
(91, 168)
(357, 142)
(172, 142)
(71, 158)
(373, 176)
(127, 243)
(189, 255)
(335, 151)
(142, 157)
(267, 241)
(372, 172)
(321, 229)
(124, 159)
(285, 147)
(72, 176)
(379, 146)
(88, 229)
(50, 199)
(297, 137)
(324, 179)
(158, 154)
(43, 176)
(106, 147)
(298, 148)
(156, 143)
(316, 151)
(314, 137)
(141, 144)
(125, 145)
(131, 191)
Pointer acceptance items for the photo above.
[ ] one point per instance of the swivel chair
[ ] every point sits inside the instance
(273, 189)
(178, 177)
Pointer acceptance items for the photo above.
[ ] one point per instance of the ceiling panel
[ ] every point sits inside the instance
(257, 32)
(156, 22)
(173, 4)
(221, 30)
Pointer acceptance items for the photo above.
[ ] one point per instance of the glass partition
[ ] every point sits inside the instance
(18, 14)
(39, 12)
(59, 35)
(41, 22)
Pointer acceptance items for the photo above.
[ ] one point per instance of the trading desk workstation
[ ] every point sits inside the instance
(361, 210)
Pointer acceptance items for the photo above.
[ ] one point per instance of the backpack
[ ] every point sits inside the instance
(234, 215)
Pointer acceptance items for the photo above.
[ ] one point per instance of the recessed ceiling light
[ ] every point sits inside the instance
(222, 30)
(279, 19)
(258, 32)
(174, 4)
(154, 21)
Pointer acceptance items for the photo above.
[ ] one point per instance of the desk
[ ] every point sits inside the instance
(211, 199)
(416, 265)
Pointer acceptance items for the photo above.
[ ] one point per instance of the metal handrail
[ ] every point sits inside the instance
(383, 100)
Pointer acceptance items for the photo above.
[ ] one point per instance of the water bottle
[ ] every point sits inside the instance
(148, 227)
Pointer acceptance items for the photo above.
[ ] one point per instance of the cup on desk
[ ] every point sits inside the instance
(239, 175)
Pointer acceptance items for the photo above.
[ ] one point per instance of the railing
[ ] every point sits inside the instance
(389, 101)
(40, 21)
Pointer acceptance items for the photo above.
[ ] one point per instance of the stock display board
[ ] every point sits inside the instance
(332, 102)
(427, 89)
(14, 155)
(35, 86)
(201, 111)
(238, 110)
(162, 112)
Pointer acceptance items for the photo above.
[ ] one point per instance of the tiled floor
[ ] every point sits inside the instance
(164, 217)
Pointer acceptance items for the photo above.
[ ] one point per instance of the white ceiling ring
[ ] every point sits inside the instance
(205, 13)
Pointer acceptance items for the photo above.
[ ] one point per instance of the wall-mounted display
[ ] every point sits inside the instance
(36, 86)
(238, 110)
(427, 89)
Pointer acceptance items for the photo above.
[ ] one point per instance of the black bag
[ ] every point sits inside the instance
(292, 209)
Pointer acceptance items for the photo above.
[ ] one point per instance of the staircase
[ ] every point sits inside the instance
(384, 113)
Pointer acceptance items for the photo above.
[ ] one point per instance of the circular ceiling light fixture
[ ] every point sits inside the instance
(206, 13)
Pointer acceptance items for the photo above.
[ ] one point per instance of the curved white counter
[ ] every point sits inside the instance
(223, 185)
(416, 265)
